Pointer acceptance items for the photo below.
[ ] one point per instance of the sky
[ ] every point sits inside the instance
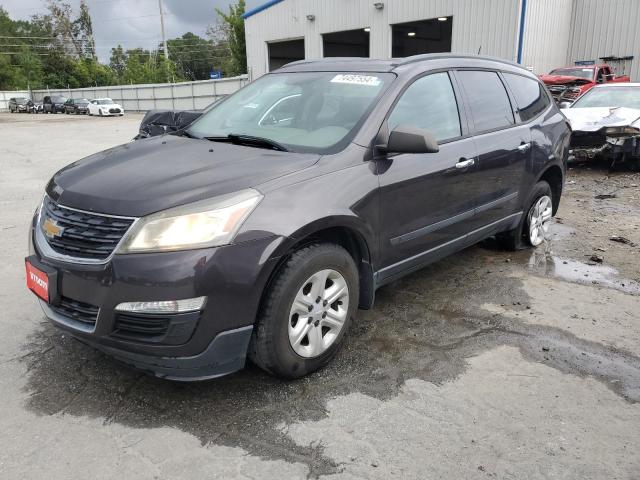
(135, 23)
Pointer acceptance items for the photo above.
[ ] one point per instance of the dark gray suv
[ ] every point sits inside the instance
(261, 228)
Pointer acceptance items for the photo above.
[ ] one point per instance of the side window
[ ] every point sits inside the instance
(530, 96)
(429, 103)
(490, 105)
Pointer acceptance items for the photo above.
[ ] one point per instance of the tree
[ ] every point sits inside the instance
(230, 35)
(57, 51)
(194, 56)
(84, 30)
(118, 61)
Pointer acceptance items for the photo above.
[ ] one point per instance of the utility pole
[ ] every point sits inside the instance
(164, 40)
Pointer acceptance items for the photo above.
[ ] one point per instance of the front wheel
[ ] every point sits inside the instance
(306, 311)
(534, 225)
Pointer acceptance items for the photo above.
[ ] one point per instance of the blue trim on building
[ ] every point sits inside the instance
(260, 8)
(523, 14)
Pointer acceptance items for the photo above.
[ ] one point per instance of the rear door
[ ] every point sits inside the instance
(503, 146)
(426, 200)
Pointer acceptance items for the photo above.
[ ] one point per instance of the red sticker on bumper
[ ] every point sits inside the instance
(37, 282)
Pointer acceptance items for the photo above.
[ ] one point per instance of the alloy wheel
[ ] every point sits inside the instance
(318, 313)
(539, 216)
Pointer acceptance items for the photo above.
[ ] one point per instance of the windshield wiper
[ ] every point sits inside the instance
(260, 142)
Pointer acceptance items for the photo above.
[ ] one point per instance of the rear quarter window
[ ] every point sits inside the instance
(488, 100)
(530, 96)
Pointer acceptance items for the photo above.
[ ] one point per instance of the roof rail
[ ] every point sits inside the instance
(433, 56)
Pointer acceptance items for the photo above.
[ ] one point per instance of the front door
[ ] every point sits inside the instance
(426, 200)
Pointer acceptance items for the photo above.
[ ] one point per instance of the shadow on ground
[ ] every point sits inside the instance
(424, 326)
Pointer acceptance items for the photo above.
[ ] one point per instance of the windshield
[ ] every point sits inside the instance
(628, 97)
(304, 111)
(21, 100)
(104, 101)
(58, 99)
(586, 73)
(81, 100)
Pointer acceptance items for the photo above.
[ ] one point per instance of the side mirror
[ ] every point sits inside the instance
(565, 105)
(407, 139)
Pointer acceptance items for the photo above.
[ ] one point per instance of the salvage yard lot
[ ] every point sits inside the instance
(486, 364)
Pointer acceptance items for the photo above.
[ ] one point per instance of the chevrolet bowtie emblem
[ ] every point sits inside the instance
(51, 229)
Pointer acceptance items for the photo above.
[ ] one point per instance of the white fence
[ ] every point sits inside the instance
(5, 96)
(162, 96)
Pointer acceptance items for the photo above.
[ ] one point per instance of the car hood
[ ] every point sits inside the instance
(154, 174)
(563, 79)
(594, 118)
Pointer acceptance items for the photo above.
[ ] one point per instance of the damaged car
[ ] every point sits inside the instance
(606, 124)
(569, 83)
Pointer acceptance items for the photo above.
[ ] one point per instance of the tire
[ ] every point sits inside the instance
(520, 237)
(271, 348)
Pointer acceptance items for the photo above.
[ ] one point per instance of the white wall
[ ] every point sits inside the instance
(546, 35)
(489, 25)
(170, 96)
(605, 28)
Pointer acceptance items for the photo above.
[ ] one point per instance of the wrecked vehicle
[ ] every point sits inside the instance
(568, 83)
(606, 124)
(159, 122)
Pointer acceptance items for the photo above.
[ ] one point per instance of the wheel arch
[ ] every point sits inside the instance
(554, 176)
(346, 233)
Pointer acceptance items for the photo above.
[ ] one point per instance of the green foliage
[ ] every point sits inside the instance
(195, 56)
(230, 33)
(57, 50)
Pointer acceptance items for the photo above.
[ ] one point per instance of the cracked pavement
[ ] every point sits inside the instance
(486, 364)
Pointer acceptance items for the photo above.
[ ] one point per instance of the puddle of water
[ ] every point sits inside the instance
(543, 263)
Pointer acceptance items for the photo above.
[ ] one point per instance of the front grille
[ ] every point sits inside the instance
(79, 311)
(587, 140)
(82, 234)
(563, 92)
(557, 90)
(114, 110)
(140, 326)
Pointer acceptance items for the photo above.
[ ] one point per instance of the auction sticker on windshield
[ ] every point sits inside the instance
(357, 80)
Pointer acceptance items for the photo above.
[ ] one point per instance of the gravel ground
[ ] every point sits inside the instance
(488, 364)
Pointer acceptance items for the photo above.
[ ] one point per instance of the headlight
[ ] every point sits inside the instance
(613, 131)
(208, 223)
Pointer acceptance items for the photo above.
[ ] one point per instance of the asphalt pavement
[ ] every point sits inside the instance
(488, 364)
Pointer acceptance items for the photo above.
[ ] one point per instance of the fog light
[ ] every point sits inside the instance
(164, 306)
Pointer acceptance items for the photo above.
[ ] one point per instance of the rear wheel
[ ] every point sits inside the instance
(306, 311)
(534, 225)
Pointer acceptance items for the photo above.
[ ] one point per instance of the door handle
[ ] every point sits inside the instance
(465, 163)
(524, 147)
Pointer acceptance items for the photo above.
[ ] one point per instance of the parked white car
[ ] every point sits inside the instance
(105, 107)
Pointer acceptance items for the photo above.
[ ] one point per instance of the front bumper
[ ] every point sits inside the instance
(207, 344)
(593, 146)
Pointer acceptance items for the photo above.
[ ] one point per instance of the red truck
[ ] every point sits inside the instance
(568, 83)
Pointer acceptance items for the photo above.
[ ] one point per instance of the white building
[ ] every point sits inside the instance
(540, 34)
